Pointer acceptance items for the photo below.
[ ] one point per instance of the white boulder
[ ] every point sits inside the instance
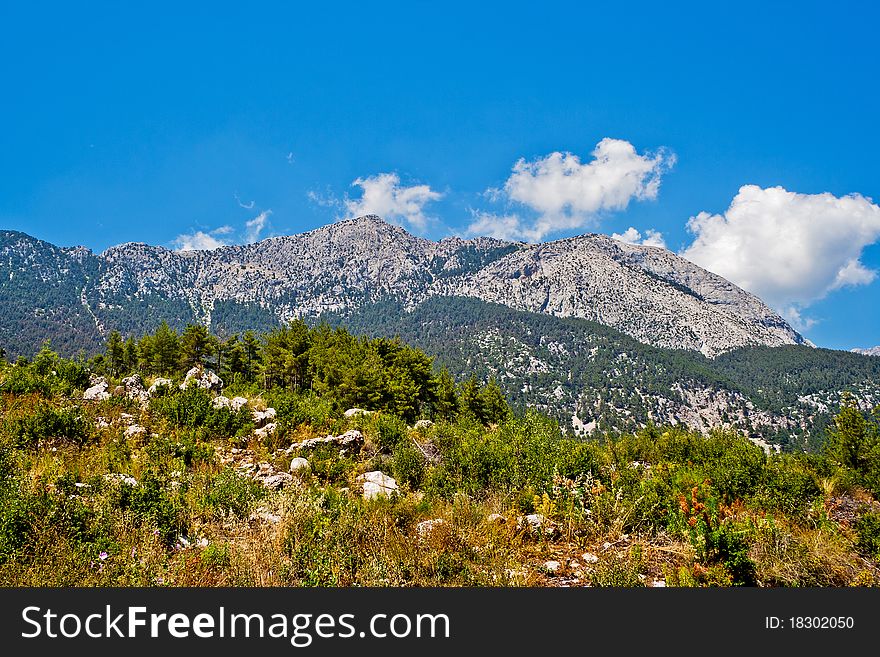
(351, 412)
(157, 385)
(98, 392)
(377, 484)
(426, 527)
(202, 378)
(299, 464)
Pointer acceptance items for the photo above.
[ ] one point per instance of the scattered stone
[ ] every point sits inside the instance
(202, 543)
(265, 516)
(238, 403)
(266, 431)
(659, 584)
(128, 480)
(351, 412)
(101, 422)
(426, 527)
(202, 378)
(98, 392)
(606, 545)
(134, 430)
(351, 438)
(221, 402)
(552, 566)
(423, 424)
(276, 481)
(133, 387)
(537, 524)
(157, 385)
(262, 417)
(299, 464)
(377, 483)
(589, 557)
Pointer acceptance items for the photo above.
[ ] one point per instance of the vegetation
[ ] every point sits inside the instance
(86, 500)
(618, 375)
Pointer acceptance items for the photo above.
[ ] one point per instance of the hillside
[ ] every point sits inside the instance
(594, 379)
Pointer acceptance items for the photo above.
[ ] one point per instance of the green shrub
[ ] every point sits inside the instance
(408, 466)
(229, 492)
(47, 423)
(868, 531)
(390, 431)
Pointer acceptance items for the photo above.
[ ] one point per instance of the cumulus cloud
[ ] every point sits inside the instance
(198, 241)
(562, 193)
(790, 249)
(383, 195)
(201, 240)
(632, 236)
(255, 226)
(505, 227)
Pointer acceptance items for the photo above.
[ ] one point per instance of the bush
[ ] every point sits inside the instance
(788, 485)
(47, 423)
(229, 492)
(193, 408)
(408, 466)
(390, 432)
(868, 531)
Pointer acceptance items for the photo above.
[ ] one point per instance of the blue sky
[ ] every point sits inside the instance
(159, 123)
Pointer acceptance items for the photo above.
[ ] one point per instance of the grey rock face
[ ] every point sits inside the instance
(646, 292)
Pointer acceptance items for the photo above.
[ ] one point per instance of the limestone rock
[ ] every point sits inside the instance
(350, 439)
(426, 527)
(158, 384)
(351, 412)
(262, 417)
(266, 431)
(377, 484)
(98, 391)
(202, 378)
(299, 464)
(134, 388)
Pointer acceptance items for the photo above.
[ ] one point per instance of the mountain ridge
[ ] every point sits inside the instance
(648, 293)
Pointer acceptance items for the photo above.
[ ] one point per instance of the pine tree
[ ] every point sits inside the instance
(115, 353)
(445, 403)
(165, 350)
(195, 346)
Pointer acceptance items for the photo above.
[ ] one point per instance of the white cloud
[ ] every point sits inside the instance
(795, 317)
(505, 227)
(790, 249)
(197, 241)
(247, 206)
(385, 196)
(632, 236)
(255, 226)
(200, 240)
(564, 194)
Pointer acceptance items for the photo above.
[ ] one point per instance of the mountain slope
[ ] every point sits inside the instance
(647, 293)
(594, 378)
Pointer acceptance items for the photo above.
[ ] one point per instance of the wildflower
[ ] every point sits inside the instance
(103, 556)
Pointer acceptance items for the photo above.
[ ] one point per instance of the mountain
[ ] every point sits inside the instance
(645, 292)
(873, 351)
(600, 334)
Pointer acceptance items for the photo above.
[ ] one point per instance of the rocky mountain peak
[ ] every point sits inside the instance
(648, 293)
